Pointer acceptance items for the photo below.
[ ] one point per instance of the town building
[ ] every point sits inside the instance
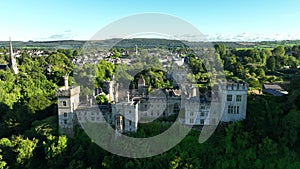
(273, 89)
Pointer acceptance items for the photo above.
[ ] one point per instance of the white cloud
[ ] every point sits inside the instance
(253, 37)
(65, 35)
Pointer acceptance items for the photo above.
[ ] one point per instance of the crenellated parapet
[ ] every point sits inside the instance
(63, 92)
(232, 85)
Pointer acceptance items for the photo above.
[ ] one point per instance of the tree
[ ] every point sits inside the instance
(260, 72)
(76, 164)
(104, 71)
(220, 49)
(9, 92)
(18, 151)
(230, 62)
(116, 55)
(292, 61)
(196, 65)
(122, 73)
(271, 63)
(238, 69)
(60, 66)
(291, 124)
(24, 148)
(255, 55)
(279, 51)
(76, 52)
(55, 148)
(102, 99)
(265, 54)
(2, 163)
(296, 51)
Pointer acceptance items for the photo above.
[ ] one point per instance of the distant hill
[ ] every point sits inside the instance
(141, 42)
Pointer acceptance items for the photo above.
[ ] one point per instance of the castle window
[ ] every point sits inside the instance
(192, 114)
(237, 109)
(202, 107)
(93, 118)
(63, 103)
(65, 115)
(202, 121)
(202, 114)
(230, 110)
(130, 122)
(234, 109)
(65, 121)
(229, 97)
(238, 98)
(191, 120)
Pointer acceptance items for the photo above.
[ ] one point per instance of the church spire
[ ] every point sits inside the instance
(13, 62)
(11, 52)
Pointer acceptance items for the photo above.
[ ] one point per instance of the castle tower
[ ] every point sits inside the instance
(141, 82)
(112, 90)
(125, 116)
(68, 101)
(233, 95)
(142, 88)
(12, 61)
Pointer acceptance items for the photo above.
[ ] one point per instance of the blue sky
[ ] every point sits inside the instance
(218, 19)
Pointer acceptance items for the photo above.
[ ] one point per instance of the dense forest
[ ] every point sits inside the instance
(268, 138)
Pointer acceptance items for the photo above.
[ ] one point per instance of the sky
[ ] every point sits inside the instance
(219, 20)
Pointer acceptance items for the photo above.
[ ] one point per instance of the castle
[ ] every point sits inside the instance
(142, 106)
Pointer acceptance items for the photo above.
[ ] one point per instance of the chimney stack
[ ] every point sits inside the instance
(91, 102)
(66, 80)
(128, 97)
(11, 52)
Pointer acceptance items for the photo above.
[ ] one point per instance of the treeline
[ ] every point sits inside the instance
(119, 43)
(257, 66)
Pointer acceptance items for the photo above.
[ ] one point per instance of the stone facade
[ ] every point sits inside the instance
(234, 97)
(125, 116)
(68, 101)
(229, 104)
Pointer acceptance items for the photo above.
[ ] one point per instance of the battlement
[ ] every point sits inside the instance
(232, 85)
(63, 92)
